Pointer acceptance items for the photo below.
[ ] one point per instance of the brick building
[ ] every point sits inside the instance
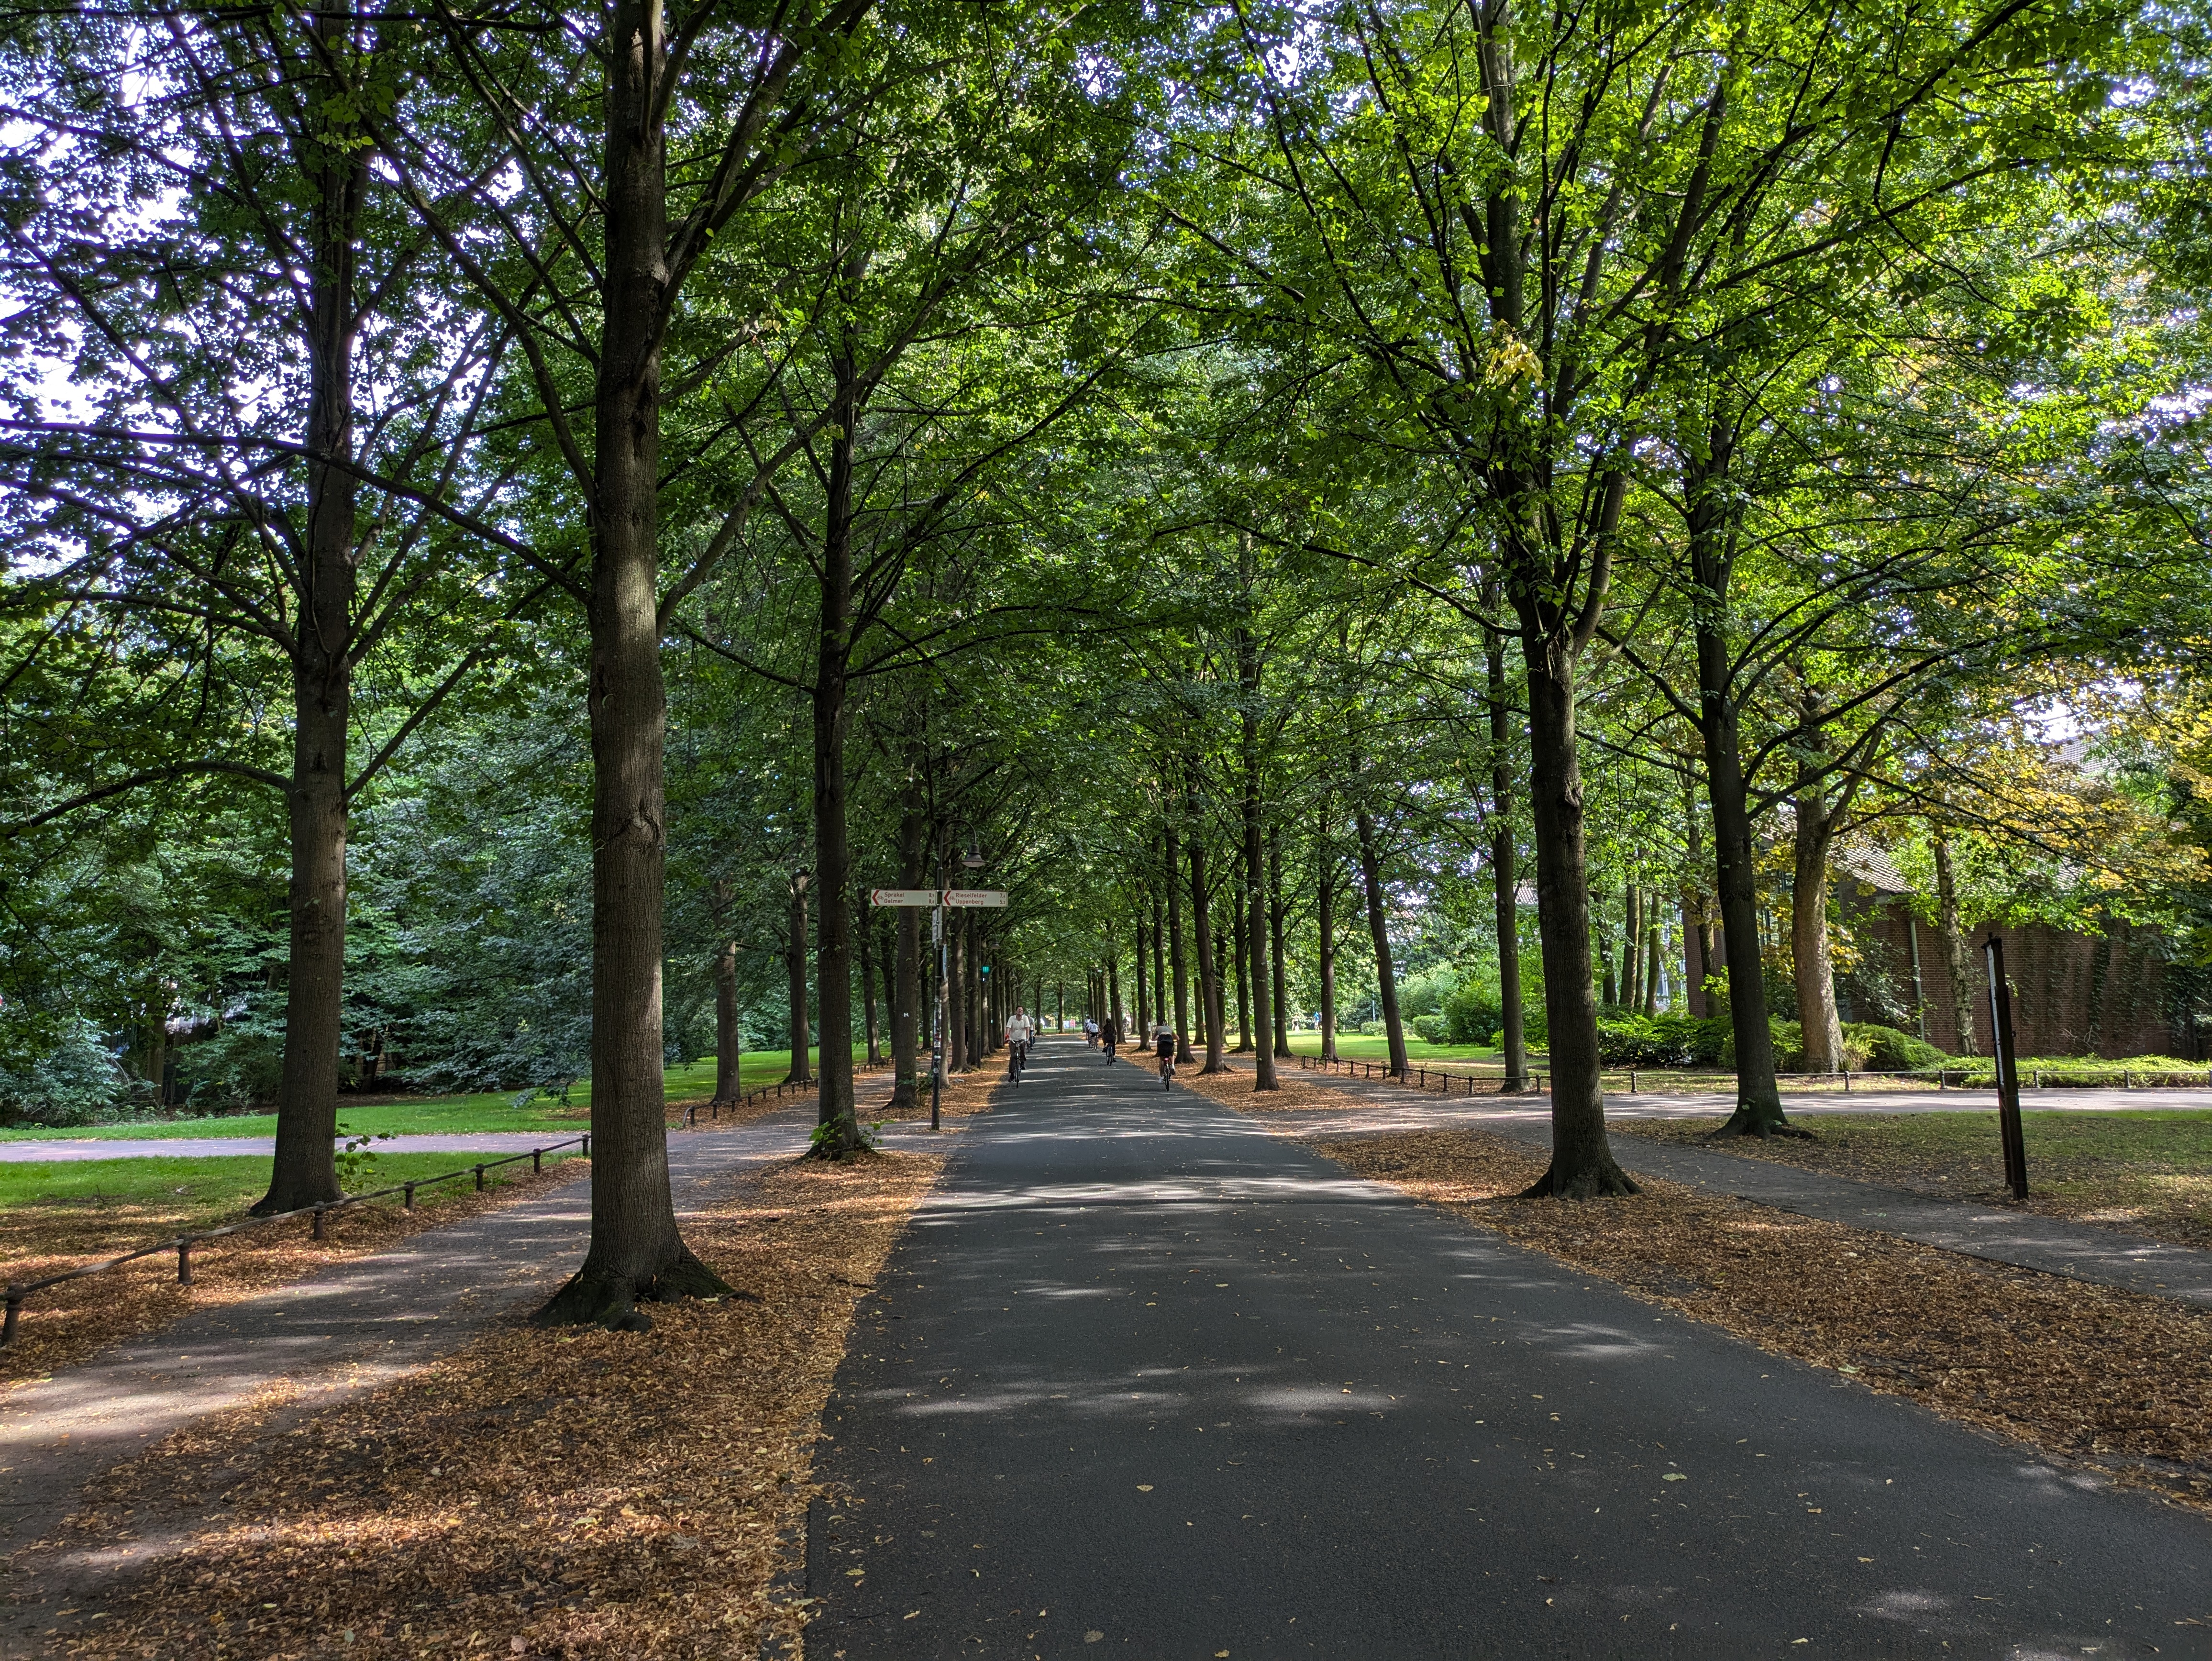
(2073, 994)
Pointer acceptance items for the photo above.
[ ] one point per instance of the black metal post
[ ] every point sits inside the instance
(2016, 1149)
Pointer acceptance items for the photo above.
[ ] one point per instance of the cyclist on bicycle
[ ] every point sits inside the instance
(1019, 1031)
(1163, 1046)
(1109, 1034)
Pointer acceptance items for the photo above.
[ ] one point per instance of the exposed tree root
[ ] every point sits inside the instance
(1599, 1179)
(1762, 1122)
(596, 1298)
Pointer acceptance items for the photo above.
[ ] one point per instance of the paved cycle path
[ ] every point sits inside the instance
(1143, 1379)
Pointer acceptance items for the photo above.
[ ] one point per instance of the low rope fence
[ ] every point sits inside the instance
(320, 1212)
(1417, 1078)
(714, 1110)
(1640, 1081)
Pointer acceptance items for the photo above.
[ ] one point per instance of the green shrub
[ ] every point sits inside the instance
(1661, 1040)
(1890, 1051)
(1472, 1014)
(1431, 1028)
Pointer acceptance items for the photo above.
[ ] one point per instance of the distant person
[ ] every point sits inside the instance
(1019, 1031)
(1108, 1036)
(1089, 1031)
(1163, 1046)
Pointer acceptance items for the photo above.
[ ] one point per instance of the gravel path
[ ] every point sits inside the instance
(1144, 1379)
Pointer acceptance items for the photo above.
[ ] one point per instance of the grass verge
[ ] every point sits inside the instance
(57, 1217)
(2149, 1173)
(496, 1109)
(573, 1494)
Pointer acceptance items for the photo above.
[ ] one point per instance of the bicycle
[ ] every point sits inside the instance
(1017, 1057)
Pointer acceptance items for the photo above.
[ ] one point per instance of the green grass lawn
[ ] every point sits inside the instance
(1363, 1046)
(442, 1115)
(186, 1195)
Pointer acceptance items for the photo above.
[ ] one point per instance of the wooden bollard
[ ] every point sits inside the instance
(184, 1262)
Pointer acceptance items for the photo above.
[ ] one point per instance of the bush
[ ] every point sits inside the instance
(1662, 1041)
(1472, 1014)
(1432, 1029)
(1891, 1050)
(56, 1071)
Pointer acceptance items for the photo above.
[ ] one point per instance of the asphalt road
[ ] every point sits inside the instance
(1142, 1380)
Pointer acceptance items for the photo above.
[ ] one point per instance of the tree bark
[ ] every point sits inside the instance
(1278, 963)
(1175, 952)
(906, 960)
(1757, 1097)
(304, 1172)
(1954, 947)
(1505, 864)
(954, 995)
(839, 1131)
(1143, 983)
(1810, 955)
(1159, 961)
(1209, 976)
(1583, 1164)
(864, 928)
(1325, 919)
(1386, 976)
(1243, 942)
(636, 1252)
(794, 960)
(1255, 908)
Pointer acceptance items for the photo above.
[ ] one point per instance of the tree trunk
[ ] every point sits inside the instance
(304, 1170)
(1583, 1164)
(1386, 976)
(833, 878)
(1159, 962)
(795, 959)
(1955, 948)
(1175, 952)
(1758, 1098)
(1504, 866)
(1325, 919)
(953, 996)
(1279, 970)
(864, 927)
(1810, 956)
(1255, 908)
(1243, 942)
(1113, 983)
(1209, 976)
(1631, 949)
(1651, 935)
(1143, 983)
(906, 961)
(637, 1253)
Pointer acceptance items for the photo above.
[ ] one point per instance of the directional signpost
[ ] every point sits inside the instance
(934, 900)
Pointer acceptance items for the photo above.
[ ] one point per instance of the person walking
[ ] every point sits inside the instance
(1019, 1031)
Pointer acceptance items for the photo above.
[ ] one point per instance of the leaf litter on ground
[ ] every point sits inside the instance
(567, 1493)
